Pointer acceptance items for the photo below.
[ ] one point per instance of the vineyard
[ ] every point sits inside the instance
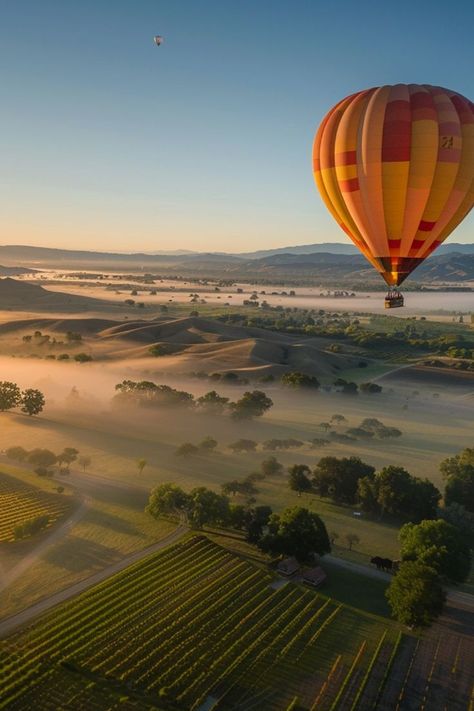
(195, 627)
(20, 502)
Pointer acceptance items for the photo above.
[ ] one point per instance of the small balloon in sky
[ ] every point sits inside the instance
(157, 39)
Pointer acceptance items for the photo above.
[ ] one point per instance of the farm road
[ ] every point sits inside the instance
(11, 623)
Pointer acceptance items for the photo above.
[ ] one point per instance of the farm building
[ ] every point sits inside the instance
(314, 576)
(288, 566)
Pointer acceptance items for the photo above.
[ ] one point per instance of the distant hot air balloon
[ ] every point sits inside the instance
(158, 40)
(395, 168)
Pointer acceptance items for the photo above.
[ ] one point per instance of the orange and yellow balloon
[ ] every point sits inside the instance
(395, 167)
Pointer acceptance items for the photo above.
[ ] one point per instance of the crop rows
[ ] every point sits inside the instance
(194, 623)
(20, 502)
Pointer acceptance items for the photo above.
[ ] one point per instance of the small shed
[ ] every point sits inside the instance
(288, 566)
(314, 576)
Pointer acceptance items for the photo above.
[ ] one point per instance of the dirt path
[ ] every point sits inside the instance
(11, 623)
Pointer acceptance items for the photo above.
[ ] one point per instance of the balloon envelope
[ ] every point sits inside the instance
(395, 167)
(158, 40)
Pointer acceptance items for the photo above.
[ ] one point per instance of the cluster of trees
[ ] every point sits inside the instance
(247, 486)
(413, 338)
(433, 553)
(44, 459)
(296, 379)
(206, 445)
(30, 401)
(296, 531)
(395, 491)
(30, 527)
(458, 475)
(41, 339)
(148, 394)
(349, 480)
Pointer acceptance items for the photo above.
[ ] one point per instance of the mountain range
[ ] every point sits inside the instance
(325, 264)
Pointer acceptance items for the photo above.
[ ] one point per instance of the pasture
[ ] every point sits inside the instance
(196, 627)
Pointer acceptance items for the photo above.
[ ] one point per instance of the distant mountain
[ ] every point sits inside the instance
(320, 267)
(331, 247)
(342, 248)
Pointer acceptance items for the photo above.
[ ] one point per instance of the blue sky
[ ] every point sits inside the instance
(109, 142)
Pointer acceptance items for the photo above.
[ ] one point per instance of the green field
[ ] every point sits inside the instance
(197, 627)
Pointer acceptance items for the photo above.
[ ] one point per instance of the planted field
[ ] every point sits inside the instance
(20, 502)
(196, 627)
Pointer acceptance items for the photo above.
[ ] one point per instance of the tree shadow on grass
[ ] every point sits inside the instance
(112, 522)
(79, 554)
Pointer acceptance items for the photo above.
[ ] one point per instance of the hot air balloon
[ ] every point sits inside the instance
(395, 167)
(157, 39)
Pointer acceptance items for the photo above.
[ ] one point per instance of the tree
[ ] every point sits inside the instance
(30, 527)
(167, 499)
(346, 387)
(10, 395)
(207, 507)
(325, 426)
(458, 516)
(186, 450)
(212, 403)
(141, 464)
(393, 490)
(42, 457)
(338, 419)
(439, 545)
(297, 532)
(370, 388)
(32, 401)
(299, 478)
(415, 594)
(67, 456)
(208, 444)
(271, 466)
(352, 539)
(338, 478)
(295, 379)
(83, 358)
(231, 487)
(251, 404)
(17, 453)
(243, 445)
(458, 473)
(84, 461)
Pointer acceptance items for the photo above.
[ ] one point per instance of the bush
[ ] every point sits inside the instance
(29, 528)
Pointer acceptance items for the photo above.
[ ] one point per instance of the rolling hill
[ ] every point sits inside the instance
(194, 343)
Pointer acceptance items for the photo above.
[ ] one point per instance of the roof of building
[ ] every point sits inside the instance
(314, 576)
(288, 566)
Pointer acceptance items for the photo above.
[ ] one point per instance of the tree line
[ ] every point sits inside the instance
(296, 531)
(148, 394)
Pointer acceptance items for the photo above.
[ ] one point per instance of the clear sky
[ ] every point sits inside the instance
(108, 142)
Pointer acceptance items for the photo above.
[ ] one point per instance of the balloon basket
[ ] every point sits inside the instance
(394, 300)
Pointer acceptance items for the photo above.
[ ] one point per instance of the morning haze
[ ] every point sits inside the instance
(235, 472)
